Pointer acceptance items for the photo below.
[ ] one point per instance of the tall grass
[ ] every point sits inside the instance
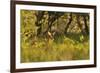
(63, 49)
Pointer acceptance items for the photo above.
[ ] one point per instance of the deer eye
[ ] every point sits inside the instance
(26, 34)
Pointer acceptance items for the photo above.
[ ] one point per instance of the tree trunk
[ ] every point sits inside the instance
(85, 23)
(67, 26)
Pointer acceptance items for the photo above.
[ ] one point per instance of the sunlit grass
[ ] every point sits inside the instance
(50, 50)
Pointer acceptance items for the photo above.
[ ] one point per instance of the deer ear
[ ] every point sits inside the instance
(53, 33)
(49, 33)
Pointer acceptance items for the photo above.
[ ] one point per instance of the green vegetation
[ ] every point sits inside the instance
(54, 36)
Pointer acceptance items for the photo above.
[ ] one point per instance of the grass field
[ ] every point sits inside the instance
(71, 47)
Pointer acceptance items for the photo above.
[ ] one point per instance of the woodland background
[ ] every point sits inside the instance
(54, 36)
